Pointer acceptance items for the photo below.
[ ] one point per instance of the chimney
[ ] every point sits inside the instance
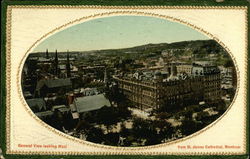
(70, 99)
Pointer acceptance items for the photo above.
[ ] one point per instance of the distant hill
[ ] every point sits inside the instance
(198, 46)
(200, 49)
(183, 47)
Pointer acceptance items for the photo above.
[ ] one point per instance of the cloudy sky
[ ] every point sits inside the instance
(118, 32)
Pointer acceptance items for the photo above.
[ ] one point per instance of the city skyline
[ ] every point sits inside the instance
(139, 97)
(114, 32)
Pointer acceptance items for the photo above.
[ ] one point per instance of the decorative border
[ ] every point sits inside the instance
(125, 7)
(8, 74)
(125, 149)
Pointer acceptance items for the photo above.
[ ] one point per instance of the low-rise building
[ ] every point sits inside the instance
(36, 104)
(48, 86)
(88, 103)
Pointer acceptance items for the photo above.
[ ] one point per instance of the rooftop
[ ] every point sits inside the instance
(53, 83)
(60, 108)
(90, 103)
(36, 104)
(44, 114)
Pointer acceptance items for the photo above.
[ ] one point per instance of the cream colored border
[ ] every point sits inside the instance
(8, 70)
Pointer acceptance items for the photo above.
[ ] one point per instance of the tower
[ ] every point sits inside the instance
(47, 54)
(68, 66)
(56, 72)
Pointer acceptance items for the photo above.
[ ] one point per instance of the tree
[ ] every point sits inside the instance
(159, 124)
(95, 135)
(69, 122)
(166, 129)
(57, 120)
(229, 63)
(113, 94)
(189, 126)
(83, 125)
(107, 116)
(124, 131)
(112, 139)
(163, 115)
(143, 128)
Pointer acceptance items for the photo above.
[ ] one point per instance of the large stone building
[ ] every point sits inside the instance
(185, 85)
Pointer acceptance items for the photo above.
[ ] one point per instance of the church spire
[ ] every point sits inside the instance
(68, 65)
(56, 57)
(47, 54)
(56, 64)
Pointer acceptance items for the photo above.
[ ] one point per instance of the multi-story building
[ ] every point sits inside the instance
(185, 85)
(185, 68)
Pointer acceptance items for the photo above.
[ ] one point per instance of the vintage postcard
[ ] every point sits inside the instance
(125, 80)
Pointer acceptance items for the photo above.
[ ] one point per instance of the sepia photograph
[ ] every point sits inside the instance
(129, 81)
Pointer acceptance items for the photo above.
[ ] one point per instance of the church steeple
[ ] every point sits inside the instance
(56, 57)
(56, 64)
(47, 54)
(68, 65)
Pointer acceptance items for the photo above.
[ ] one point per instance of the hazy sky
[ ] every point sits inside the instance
(118, 32)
